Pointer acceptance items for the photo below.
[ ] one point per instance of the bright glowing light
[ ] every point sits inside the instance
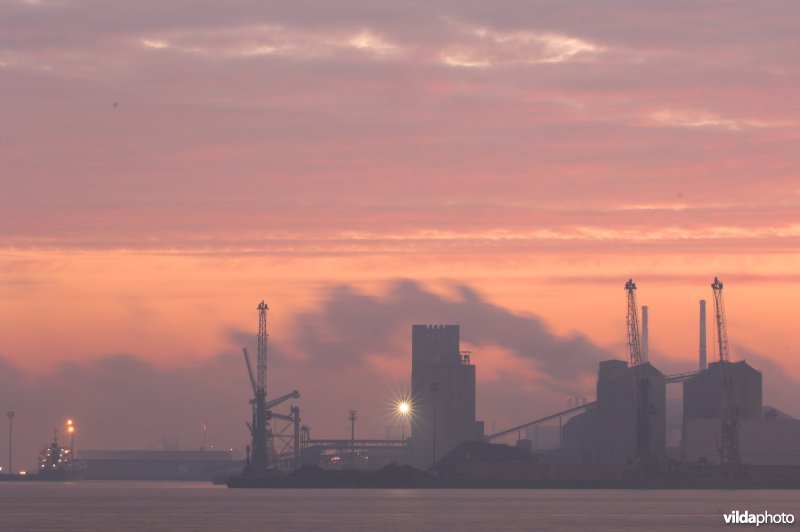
(404, 407)
(70, 429)
(69, 422)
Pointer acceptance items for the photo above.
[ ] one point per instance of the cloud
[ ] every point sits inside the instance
(360, 324)
(345, 121)
(688, 119)
(486, 47)
(123, 402)
(351, 351)
(523, 369)
(273, 40)
(580, 236)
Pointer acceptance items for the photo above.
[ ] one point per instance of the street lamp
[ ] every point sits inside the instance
(434, 389)
(404, 409)
(352, 417)
(10, 415)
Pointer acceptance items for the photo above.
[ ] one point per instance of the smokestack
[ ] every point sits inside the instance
(645, 336)
(703, 363)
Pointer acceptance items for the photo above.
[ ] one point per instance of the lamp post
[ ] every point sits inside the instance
(434, 389)
(404, 409)
(10, 415)
(352, 417)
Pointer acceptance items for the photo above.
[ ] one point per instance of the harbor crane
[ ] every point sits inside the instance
(262, 452)
(641, 394)
(258, 456)
(729, 447)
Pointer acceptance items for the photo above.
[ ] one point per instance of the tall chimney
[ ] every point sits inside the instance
(645, 336)
(703, 363)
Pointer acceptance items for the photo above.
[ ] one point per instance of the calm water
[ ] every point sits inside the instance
(200, 506)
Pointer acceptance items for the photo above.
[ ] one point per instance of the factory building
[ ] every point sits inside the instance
(617, 389)
(579, 437)
(763, 440)
(443, 393)
(607, 433)
(702, 394)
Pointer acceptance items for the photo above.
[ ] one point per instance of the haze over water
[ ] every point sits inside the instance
(201, 506)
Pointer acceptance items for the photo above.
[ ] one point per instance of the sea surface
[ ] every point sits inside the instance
(123, 506)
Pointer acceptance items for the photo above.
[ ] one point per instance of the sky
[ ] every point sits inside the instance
(364, 165)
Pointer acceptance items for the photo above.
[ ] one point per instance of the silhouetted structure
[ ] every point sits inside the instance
(635, 358)
(702, 394)
(269, 448)
(351, 454)
(257, 453)
(703, 410)
(607, 434)
(703, 362)
(729, 446)
(645, 334)
(617, 387)
(436, 360)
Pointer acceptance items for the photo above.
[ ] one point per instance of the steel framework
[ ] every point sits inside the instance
(642, 387)
(270, 447)
(729, 448)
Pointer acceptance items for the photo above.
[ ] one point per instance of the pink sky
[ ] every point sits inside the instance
(166, 165)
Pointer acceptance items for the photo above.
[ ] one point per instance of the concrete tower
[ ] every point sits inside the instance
(443, 393)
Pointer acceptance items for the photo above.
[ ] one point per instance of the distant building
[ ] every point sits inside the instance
(617, 390)
(543, 437)
(158, 465)
(442, 382)
(579, 436)
(764, 439)
(702, 394)
(607, 433)
(762, 442)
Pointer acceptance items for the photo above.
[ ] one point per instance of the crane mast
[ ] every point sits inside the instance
(641, 392)
(634, 344)
(258, 457)
(261, 366)
(729, 448)
(262, 453)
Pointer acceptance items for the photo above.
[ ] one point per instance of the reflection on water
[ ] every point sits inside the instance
(200, 506)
